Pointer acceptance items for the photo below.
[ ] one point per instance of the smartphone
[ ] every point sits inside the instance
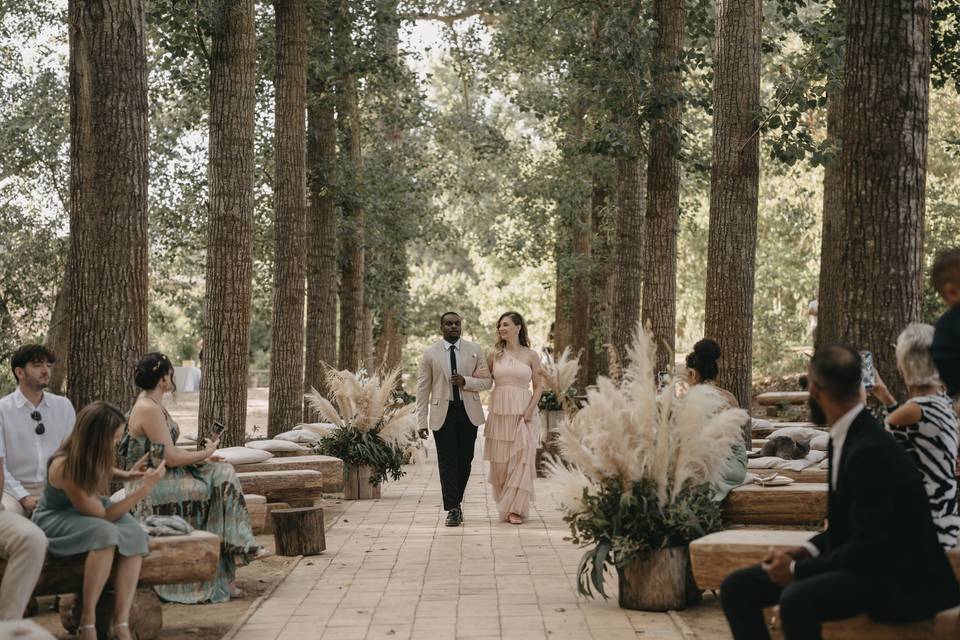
(217, 429)
(867, 372)
(156, 454)
(663, 379)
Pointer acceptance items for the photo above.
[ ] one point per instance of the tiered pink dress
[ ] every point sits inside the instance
(511, 443)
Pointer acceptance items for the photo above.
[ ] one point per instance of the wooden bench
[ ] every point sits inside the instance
(714, 557)
(794, 504)
(283, 486)
(329, 467)
(172, 560)
(775, 400)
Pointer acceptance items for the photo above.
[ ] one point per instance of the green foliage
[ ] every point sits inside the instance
(359, 448)
(621, 526)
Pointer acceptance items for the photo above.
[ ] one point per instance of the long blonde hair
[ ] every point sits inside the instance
(88, 452)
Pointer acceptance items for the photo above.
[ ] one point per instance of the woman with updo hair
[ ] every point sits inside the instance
(702, 368)
(198, 487)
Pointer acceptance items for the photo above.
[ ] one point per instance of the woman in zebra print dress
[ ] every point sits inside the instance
(926, 426)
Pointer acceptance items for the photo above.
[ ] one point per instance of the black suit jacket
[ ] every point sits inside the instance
(879, 524)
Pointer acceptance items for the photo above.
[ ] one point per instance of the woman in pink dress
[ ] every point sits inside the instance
(511, 431)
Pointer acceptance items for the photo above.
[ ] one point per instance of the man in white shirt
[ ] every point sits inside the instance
(24, 546)
(33, 424)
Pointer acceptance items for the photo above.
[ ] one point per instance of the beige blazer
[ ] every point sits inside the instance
(434, 389)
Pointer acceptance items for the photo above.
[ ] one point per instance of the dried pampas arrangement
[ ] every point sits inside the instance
(559, 378)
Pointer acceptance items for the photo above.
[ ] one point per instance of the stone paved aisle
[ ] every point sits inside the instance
(393, 571)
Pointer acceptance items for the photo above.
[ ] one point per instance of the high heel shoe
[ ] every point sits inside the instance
(87, 626)
(119, 624)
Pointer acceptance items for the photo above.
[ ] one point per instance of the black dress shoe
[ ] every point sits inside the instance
(454, 517)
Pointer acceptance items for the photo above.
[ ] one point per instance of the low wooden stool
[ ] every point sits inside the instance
(271, 507)
(257, 508)
(298, 532)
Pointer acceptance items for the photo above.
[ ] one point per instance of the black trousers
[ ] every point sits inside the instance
(455, 442)
(804, 604)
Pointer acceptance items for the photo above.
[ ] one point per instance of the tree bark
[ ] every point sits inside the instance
(882, 168)
(389, 350)
(601, 281)
(290, 213)
(563, 304)
(322, 220)
(663, 183)
(58, 335)
(831, 241)
(352, 261)
(582, 231)
(226, 317)
(108, 199)
(628, 269)
(734, 186)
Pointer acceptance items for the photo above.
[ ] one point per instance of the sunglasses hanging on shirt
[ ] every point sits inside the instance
(40, 428)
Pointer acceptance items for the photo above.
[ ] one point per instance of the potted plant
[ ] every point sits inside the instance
(637, 481)
(557, 401)
(371, 432)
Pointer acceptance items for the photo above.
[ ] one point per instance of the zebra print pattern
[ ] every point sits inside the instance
(932, 443)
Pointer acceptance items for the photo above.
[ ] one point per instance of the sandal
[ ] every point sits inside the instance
(117, 625)
(263, 554)
(513, 518)
(86, 626)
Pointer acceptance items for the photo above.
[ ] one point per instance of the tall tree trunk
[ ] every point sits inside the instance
(58, 335)
(389, 348)
(734, 182)
(883, 174)
(628, 269)
(108, 199)
(601, 284)
(226, 314)
(663, 183)
(831, 241)
(290, 209)
(352, 268)
(582, 231)
(322, 272)
(563, 302)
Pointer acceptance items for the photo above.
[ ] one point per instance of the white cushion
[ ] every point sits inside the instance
(772, 462)
(23, 630)
(301, 436)
(820, 442)
(276, 445)
(797, 434)
(760, 423)
(243, 455)
(321, 428)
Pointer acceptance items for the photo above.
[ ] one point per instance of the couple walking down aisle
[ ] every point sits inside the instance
(450, 377)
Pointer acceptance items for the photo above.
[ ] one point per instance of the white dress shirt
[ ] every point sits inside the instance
(447, 345)
(838, 434)
(25, 454)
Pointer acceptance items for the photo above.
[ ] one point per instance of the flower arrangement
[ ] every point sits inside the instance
(370, 428)
(558, 383)
(639, 467)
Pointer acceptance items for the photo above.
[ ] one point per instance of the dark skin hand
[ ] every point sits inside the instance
(777, 564)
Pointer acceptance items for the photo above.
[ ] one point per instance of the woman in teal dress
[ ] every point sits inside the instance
(78, 519)
(702, 369)
(198, 487)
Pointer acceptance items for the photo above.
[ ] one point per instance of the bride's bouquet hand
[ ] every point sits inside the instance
(528, 415)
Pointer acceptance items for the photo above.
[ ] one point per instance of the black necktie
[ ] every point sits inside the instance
(453, 371)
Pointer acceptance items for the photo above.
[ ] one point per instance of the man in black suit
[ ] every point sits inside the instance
(879, 554)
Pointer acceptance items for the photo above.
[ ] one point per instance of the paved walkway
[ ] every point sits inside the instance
(393, 571)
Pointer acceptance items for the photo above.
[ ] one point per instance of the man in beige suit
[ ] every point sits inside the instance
(452, 372)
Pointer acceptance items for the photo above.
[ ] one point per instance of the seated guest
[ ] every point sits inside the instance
(77, 518)
(880, 554)
(24, 547)
(35, 423)
(945, 277)
(926, 426)
(702, 369)
(198, 487)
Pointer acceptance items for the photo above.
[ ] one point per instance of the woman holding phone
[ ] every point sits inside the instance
(198, 487)
(77, 518)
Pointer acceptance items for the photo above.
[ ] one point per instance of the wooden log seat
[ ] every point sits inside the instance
(172, 560)
(795, 504)
(331, 468)
(714, 557)
(298, 532)
(271, 507)
(773, 398)
(810, 475)
(257, 508)
(283, 486)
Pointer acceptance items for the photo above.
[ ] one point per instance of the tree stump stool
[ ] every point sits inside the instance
(271, 507)
(298, 532)
(356, 483)
(146, 615)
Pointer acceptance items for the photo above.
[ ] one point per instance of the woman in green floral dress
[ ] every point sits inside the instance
(198, 487)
